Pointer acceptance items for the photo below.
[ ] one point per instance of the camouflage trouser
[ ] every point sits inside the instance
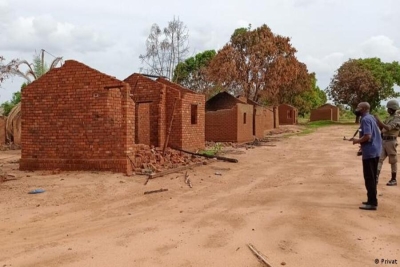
(389, 149)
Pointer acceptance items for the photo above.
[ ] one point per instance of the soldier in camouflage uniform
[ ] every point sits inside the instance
(390, 131)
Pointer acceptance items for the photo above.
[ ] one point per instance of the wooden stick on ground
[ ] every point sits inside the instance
(170, 127)
(258, 255)
(187, 180)
(182, 168)
(208, 156)
(155, 191)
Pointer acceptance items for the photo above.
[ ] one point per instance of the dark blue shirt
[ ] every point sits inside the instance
(373, 147)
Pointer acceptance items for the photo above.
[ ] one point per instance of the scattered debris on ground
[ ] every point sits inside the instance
(259, 255)
(9, 146)
(187, 180)
(150, 160)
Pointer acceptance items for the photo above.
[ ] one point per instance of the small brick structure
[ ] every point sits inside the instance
(287, 114)
(155, 100)
(228, 119)
(3, 120)
(264, 118)
(77, 118)
(325, 112)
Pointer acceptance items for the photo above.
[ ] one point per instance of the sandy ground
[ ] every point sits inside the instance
(296, 202)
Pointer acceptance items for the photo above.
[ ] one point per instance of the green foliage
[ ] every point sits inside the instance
(185, 70)
(214, 150)
(309, 99)
(39, 67)
(8, 105)
(192, 73)
(260, 65)
(359, 80)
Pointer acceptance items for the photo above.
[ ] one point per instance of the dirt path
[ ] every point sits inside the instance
(296, 202)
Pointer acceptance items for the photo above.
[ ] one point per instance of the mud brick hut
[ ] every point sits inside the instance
(3, 120)
(13, 126)
(264, 118)
(165, 110)
(77, 118)
(325, 112)
(287, 114)
(228, 119)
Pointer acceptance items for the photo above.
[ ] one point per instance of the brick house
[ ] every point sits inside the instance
(325, 112)
(156, 99)
(77, 118)
(264, 118)
(228, 119)
(287, 114)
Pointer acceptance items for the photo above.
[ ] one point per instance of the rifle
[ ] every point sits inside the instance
(359, 152)
(350, 139)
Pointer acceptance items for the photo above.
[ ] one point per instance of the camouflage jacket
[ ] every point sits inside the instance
(394, 125)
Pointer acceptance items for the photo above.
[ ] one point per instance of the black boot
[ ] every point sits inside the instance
(392, 181)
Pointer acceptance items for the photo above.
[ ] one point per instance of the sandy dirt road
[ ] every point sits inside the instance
(296, 202)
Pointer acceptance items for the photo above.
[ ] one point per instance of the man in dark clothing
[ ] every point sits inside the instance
(371, 146)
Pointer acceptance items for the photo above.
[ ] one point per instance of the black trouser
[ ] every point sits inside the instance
(370, 169)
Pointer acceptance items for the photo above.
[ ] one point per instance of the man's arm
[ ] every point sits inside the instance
(365, 138)
(381, 125)
(366, 129)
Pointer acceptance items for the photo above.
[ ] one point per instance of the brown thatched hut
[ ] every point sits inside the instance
(13, 125)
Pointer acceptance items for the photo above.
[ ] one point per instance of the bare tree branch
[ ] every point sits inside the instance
(165, 49)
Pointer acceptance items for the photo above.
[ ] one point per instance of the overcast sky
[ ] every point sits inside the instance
(110, 35)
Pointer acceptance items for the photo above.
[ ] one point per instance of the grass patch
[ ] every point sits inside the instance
(208, 152)
(310, 127)
(212, 151)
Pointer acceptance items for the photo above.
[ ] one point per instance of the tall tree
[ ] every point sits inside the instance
(192, 73)
(9, 105)
(257, 64)
(301, 82)
(309, 99)
(359, 80)
(165, 48)
(6, 70)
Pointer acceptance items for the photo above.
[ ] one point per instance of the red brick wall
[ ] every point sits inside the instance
(161, 95)
(3, 130)
(221, 125)
(71, 120)
(335, 111)
(143, 122)
(221, 101)
(321, 114)
(225, 119)
(193, 135)
(175, 136)
(146, 91)
(245, 130)
(283, 114)
(188, 136)
(264, 121)
(276, 116)
(162, 117)
(335, 114)
(259, 121)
